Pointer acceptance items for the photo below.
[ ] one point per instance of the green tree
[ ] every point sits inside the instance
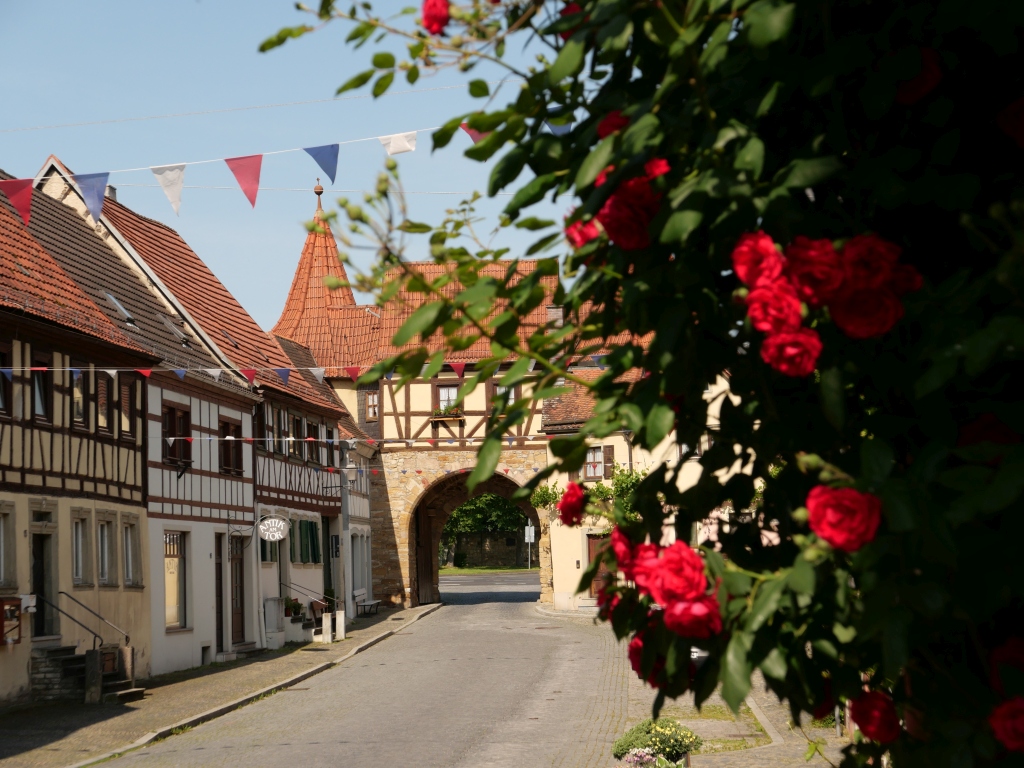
(821, 200)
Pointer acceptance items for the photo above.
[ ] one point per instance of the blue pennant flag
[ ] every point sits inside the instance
(447, 471)
(326, 157)
(180, 373)
(450, 442)
(317, 470)
(389, 374)
(330, 441)
(284, 373)
(535, 469)
(8, 372)
(599, 359)
(510, 441)
(558, 130)
(75, 373)
(360, 472)
(92, 185)
(404, 471)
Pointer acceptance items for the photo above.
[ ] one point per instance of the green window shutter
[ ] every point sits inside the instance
(316, 542)
(291, 540)
(304, 536)
(263, 551)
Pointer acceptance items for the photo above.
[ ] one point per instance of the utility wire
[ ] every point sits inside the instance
(302, 189)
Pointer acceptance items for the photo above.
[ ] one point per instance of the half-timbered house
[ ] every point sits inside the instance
(73, 524)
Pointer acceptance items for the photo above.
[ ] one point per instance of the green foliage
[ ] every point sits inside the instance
(546, 497)
(665, 737)
(486, 513)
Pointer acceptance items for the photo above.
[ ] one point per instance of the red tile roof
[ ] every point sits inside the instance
(576, 406)
(33, 283)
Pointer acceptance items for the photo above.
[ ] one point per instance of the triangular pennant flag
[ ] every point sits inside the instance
(92, 186)
(171, 178)
(144, 371)
(189, 439)
(374, 471)
(476, 136)
(284, 373)
(419, 471)
(111, 372)
(249, 440)
(352, 372)
(404, 471)
(360, 472)
(330, 470)
(370, 440)
(389, 374)
(19, 192)
(75, 373)
(598, 359)
(558, 130)
(247, 173)
(214, 372)
(180, 373)
(450, 442)
(431, 440)
(326, 157)
(317, 470)
(398, 143)
(249, 373)
(510, 441)
(409, 443)
(227, 437)
(330, 441)
(318, 374)
(506, 470)
(536, 469)
(170, 440)
(310, 439)
(447, 471)
(8, 372)
(459, 368)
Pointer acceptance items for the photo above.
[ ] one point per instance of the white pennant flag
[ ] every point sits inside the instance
(398, 143)
(318, 373)
(171, 178)
(111, 372)
(170, 441)
(215, 372)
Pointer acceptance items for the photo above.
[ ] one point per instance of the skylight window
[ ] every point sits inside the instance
(228, 337)
(178, 333)
(124, 313)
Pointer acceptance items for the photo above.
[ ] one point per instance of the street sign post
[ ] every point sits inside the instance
(530, 532)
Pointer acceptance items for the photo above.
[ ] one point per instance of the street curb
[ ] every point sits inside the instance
(564, 614)
(224, 709)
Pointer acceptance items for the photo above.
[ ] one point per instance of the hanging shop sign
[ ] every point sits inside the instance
(272, 528)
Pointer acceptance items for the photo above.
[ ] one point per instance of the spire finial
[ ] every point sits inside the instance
(318, 190)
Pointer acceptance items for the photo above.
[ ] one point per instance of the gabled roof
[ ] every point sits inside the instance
(31, 281)
(572, 409)
(303, 359)
(105, 277)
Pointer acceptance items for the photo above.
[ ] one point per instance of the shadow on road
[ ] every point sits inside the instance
(476, 598)
(475, 589)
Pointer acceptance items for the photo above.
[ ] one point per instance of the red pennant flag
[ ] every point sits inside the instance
(374, 471)
(419, 471)
(247, 174)
(39, 368)
(506, 471)
(144, 371)
(330, 470)
(352, 372)
(249, 373)
(431, 441)
(311, 439)
(459, 368)
(370, 440)
(248, 440)
(189, 440)
(476, 136)
(19, 192)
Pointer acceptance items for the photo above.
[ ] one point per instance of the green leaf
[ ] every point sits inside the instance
(506, 170)
(444, 134)
(356, 82)
(751, 157)
(382, 84)
(486, 462)
(478, 89)
(414, 227)
(898, 505)
(531, 193)
(774, 664)
(876, 460)
(661, 420)
(941, 371)
(595, 162)
(283, 35)
(533, 223)
(569, 60)
(765, 604)
(833, 399)
(419, 321)
(641, 134)
(767, 21)
(383, 60)
(735, 672)
(801, 578)
(769, 99)
(807, 173)
(412, 75)
(844, 634)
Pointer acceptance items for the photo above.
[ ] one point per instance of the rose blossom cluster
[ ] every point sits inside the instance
(1007, 718)
(860, 284)
(572, 504)
(844, 517)
(629, 211)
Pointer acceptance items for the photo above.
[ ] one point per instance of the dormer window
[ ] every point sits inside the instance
(124, 313)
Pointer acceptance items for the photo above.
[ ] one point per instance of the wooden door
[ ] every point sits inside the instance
(237, 590)
(594, 546)
(219, 589)
(424, 557)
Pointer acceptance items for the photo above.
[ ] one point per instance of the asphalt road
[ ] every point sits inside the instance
(484, 682)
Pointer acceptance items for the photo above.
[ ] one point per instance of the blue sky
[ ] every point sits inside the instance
(75, 62)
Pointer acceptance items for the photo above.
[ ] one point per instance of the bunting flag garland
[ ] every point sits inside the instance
(459, 368)
(144, 371)
(19, 193)
(180, 373)
(9, 373)
(284, 373)
(398, 143)
(326, 157)
(249, 373)
(352, 372)
(214, 372)
(111, 372)
(318, 374)
(171, 179)
(246, 170)
(389, 374)
(93, 186)
(476, 136)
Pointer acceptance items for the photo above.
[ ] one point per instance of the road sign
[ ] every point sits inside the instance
(530, 533)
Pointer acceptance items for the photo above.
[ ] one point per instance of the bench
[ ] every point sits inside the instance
(367, 606)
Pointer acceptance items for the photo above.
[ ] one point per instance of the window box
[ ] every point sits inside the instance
(451, 413)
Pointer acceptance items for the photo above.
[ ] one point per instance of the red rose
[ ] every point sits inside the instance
(607, 600)
(905, 279)
(628, 213)
(572, 504)
(867, 312)
(1007, 722)
(844, 517)
(579, 233)
(622, 546)
(924, 82)
(636, 654)
(774, 307)
(435, 16)
(868, 262)
(657, 167)
(700, 618)
(568, 10)
(610, 123)
(793, 353)
(756, 259)
(675, 573)
(814, 269)
(1011, 122)
(875, 714)
(1009, 654)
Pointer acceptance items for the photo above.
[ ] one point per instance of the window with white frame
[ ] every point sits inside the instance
(594, 468)
(372, 405)
(106, 549)
(81, 549)
(131, 546)
(447, 395)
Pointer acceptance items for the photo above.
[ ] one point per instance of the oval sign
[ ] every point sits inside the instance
(272, 528)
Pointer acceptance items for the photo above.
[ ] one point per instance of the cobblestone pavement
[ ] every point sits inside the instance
(56, 735)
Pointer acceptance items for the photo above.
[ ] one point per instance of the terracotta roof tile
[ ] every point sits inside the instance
(570, 410)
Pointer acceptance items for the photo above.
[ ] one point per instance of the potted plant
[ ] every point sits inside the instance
(448, 412)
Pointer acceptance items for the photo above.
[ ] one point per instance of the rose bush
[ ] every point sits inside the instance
(866, 157)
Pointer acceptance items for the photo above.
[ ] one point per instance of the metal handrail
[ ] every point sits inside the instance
(311, 593)
(127, 639)
(95, 637)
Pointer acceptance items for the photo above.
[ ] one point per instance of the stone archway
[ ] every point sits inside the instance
(431, 511)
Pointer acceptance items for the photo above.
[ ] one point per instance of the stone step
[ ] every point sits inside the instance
(122, 697)
(56, 651)
(113, 685)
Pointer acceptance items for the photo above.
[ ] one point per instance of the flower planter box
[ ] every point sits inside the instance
(448, 417)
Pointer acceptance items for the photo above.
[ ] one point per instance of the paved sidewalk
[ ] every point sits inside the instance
(58, 735)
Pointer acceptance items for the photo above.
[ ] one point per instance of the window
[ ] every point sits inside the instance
(594, 468)
(292, 549)
(269, 551)
(296, 448)
(104, 402)
(265, 426)
(230, 448)
(127, 407)
(106, 550)
(80, 396)
(124, 313)
(5, 382)
(131, 546)
(174, 580)
(329, 434)
(177, 425)
(281, 422)
(447, 394)
(372, 405)
(8, 576)
(313, 451)
(81, 549)
(42, 387)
